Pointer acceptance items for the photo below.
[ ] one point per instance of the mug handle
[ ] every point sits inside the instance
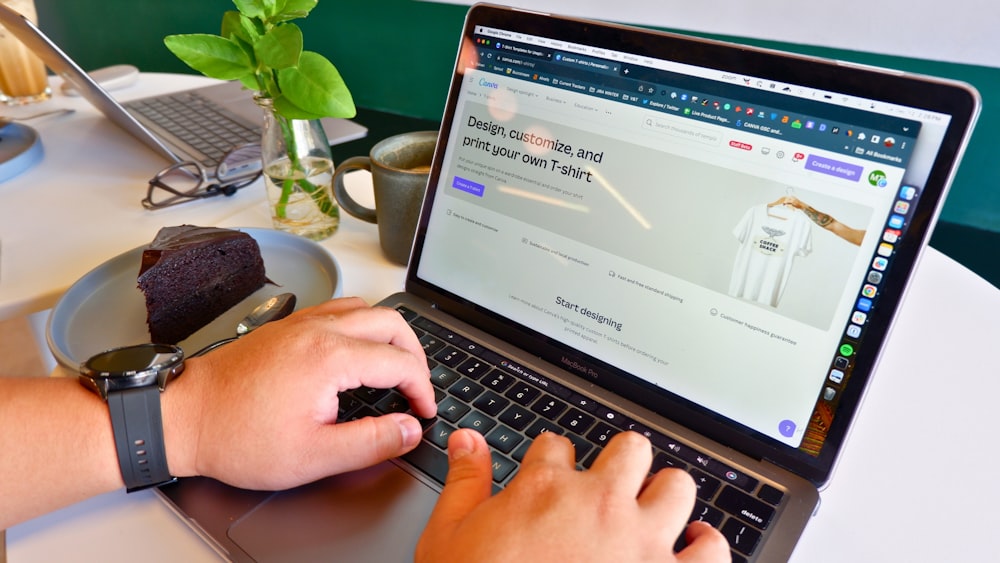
(340, 192)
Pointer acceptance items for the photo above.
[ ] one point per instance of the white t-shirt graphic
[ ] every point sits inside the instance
(770, 239)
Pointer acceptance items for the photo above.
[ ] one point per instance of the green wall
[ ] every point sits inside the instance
(422, 37)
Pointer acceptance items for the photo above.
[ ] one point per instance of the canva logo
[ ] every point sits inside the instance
(487, 84)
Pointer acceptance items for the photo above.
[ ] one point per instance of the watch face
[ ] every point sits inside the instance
(131, 359)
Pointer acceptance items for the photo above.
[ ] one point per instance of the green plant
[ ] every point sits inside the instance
(261, 47)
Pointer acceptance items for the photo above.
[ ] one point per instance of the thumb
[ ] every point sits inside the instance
(371, 440)
(468, 483)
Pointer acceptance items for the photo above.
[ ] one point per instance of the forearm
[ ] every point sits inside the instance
(853, 236)
(57, 447)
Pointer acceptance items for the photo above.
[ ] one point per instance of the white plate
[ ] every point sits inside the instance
(105, 308)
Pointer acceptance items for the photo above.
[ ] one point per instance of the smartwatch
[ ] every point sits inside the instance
(130, 380)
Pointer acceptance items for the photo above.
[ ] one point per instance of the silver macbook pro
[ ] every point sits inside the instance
(226, 112)
(624, 229)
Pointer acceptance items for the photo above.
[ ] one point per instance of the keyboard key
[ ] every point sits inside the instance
(466, 390)
(497, 380)
(582, 403)
(576, 421)
(707, 485)
(731, 475)
(438, 433)
(662, 460)
(477, 421)
(517, 417)
(474, 368)
(491, 403)
(450, 356)
(504, 438)
(770, 494)
(427, 325)
(431, 344)
(742, 538)
(363, 412)
(591, 458)
(407, 313)
(443, 377)
(601, 433)
(549, 407)
(706, 513)
(346, 405)
(392, 402)
(745, 507)
(370, 395)
(451, 409)
(430, 460)
(542, 425)
(502, 467)
(522, 394)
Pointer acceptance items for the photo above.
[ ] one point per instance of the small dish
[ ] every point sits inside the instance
(105, 308)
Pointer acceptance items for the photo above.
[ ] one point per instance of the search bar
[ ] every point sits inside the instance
(683, 131)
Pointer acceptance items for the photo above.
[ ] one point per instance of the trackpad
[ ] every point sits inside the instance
(376, 514)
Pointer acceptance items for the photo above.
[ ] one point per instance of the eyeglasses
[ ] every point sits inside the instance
(186, 181)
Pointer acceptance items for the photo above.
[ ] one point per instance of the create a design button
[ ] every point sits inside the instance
(468, 186)
(834, 168)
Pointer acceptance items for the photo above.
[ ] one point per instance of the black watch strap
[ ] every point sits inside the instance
(138, 428)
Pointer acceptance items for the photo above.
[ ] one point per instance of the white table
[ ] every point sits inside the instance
(894, 497)
(80, 206)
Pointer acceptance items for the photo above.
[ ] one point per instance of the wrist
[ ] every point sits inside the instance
(180, 406)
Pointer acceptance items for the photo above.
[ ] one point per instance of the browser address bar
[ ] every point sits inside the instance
(683, 131)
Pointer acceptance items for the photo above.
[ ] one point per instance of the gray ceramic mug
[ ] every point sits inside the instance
(400, 166)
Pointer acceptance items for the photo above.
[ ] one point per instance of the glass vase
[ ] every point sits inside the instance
(298, 171)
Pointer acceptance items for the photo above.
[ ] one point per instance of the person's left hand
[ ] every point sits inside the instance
(261, 412)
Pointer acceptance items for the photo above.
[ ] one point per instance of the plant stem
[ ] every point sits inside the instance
(319, 195)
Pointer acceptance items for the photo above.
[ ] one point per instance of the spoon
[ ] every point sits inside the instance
(277, 307)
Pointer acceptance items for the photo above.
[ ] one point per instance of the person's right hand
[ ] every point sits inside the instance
(552, 512)
(261, 413)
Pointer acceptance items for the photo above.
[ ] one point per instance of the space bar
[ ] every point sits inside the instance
(430, 460)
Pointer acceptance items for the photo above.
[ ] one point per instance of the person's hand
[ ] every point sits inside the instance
(261, 412)
(789, 200)
(552, 512)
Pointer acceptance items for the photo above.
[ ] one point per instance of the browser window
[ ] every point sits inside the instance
(596, 194)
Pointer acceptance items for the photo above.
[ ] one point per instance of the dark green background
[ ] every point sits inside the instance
(396, 55)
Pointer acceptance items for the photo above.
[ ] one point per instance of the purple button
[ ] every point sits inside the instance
(468, 186)
(834, 168)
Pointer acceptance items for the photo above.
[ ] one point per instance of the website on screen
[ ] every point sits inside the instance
(688, 242)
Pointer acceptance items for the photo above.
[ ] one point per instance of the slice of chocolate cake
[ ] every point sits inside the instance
(190, 275)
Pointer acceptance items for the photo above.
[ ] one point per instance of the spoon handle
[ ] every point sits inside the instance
(213, 346)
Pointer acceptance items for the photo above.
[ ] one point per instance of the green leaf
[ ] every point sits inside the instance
(316, 87)
(251, 8)
(280, 48)
(247, 48)
(235, 24)
(295, 9)
(211, 55)
(231, 26)
(287, 109)
(250, 82)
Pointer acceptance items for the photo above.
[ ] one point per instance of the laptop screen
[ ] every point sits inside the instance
(720, 234)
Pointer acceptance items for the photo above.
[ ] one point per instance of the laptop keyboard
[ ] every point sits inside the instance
(194, 122)
(511, 406)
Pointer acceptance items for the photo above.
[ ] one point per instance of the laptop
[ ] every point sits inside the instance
(624, 229)
(200, 124)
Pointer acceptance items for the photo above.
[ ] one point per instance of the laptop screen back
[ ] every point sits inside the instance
(720, 234)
